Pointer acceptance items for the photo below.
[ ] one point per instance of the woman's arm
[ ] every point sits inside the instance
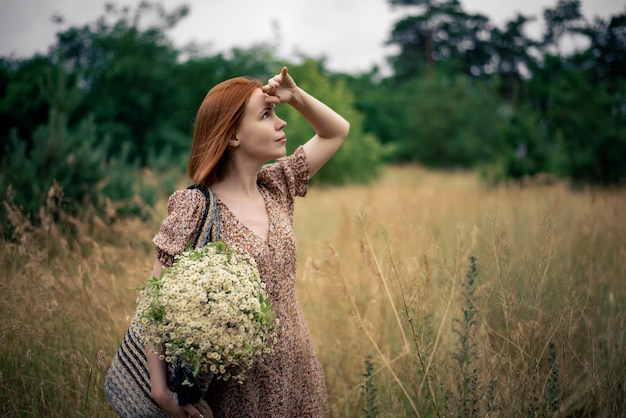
(330, 127)
(157, 369)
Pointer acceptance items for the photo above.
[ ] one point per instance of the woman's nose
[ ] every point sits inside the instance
(281, 124)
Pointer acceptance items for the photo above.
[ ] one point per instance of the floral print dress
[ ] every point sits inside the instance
(290, 382)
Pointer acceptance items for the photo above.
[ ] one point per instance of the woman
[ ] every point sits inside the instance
(237, 131)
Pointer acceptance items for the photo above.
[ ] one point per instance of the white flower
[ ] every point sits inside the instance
(209, 309)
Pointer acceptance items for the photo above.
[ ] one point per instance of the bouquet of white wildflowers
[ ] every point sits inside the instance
(209, 311)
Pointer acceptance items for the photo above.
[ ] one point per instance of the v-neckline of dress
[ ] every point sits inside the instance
(246, 227)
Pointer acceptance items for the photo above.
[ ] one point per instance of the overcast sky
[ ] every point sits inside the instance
(351, 34)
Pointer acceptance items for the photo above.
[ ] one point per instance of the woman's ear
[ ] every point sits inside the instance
(234, 141)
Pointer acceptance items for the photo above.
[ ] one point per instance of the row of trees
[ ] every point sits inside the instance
(466, 92)
(114, 97)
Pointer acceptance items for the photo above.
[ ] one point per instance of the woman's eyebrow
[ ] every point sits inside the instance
(268, 106)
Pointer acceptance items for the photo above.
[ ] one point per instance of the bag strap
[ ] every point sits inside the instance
(209, 228)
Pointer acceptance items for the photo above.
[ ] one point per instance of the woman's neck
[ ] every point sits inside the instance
(240, 177)
(239, 180)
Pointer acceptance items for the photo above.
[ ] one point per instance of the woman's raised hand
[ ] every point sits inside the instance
(280, 88)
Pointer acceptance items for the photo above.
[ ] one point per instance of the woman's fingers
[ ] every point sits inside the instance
(272, 99)
(270, 87)
(277, 80)
(192, 412)
(279, 88)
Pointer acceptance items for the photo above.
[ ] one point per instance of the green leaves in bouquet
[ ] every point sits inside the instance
(266, 315)
(153, 288)
(198, 253)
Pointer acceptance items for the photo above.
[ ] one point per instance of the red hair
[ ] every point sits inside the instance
(216, 124)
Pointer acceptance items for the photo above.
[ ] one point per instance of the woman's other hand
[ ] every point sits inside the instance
(168, 401)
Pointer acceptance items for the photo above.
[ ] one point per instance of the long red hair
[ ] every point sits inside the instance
(216, 124)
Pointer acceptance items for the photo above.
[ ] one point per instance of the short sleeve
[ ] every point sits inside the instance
(288, 175)
(184, 214)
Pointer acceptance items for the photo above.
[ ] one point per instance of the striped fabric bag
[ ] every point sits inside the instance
(127, 383)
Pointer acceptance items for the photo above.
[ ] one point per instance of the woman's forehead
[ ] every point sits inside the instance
(257, 100)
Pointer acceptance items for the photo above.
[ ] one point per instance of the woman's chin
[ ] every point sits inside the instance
(281, 151)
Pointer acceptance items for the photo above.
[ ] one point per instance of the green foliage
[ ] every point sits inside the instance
(128, 76)
(23, 103)
(528, 151)
(361, 157)
(564, 17)
(440, 32)
(70, 158)
(545, 397)
(553, 394)
(198, 74)
(122, 185)
(469, 391)
(450, 121)
(590, 118)
(605, 58)
(74, 160)
(583, 118)
(513, 54)
(370, 409)
(384, 110)
(564, 114)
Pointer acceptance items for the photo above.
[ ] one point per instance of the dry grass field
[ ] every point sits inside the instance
(427, 294)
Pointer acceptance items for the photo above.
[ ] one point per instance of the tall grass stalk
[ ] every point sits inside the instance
(427, 378)
(383, 357)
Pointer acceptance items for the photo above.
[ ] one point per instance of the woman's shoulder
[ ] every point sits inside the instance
(185, 199)
(185, 209)
(288, 174)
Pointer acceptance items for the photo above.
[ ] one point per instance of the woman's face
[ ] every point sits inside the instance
(260, 134)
